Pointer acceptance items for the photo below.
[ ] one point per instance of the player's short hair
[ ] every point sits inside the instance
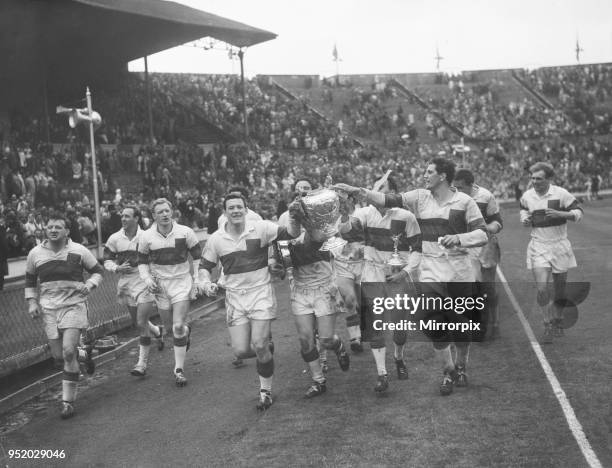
(239, 189)
(549, 172)
(233, 196)
(302, 179)
(465, 175)
(135, 210)
(58, 217)
(445, 166)
(160, 201)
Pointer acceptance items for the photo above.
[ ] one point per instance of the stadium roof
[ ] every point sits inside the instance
(75, 41)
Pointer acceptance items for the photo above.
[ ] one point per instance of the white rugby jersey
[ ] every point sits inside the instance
(166, 256)
(244, 261)
(120, 249)
(460, 216)
(534, 205)
(250, 215)
(378, 230)
(60, 274)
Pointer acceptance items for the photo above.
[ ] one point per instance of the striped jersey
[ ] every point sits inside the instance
(60, 273)
(245, 260)
(355, 238)
(120, 249)
(556, 198)
(459, 215)
(488, 209)
(379, 230)
(167, 255)
(311, 267)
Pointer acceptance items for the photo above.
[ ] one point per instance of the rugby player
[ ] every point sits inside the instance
(250, 216)
(250, 302)
(301, 188)
(377, 224)
(484, 259)
(121, 257)
(450, 223)
(163, 264)
(546, 208)
(59, 264)
(348, 266)
(313, 304)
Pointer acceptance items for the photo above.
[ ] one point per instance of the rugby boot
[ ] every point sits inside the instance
(139, 370)
(237, 362)
(402, 372)
(316, 389)
(547, 336)
(265, 400)
(446, 387)
(461, 379)
(67, 410)
(180, 378)
(382, 383)
(356, 346)
(343, 358)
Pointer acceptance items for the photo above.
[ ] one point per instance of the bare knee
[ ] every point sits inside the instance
(178, 330)
(69, 353)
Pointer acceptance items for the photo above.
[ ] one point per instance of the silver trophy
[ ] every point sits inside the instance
(396, 261)
(322, 210)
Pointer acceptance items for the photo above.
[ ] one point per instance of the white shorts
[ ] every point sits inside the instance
(131, 291)
(173, 290)
(72, 316)
(350, 269)
(320, 301)
(445, 269)
(250, 304)
(557, 255)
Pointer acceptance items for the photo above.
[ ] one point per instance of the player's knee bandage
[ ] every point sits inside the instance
(182, 341)
(311, 355)
(543, 298)
(353, 320)
(145, 340)
(378, 342)
(71, 376)
(265, 369)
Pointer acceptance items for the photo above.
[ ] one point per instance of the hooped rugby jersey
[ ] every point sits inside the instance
(167, 256)
(556, 198)
(486, 204)
(460, 215)
(60, 273)
(355, 240)
(311, 267)
(245, 260)
(379, 230)
(120, 249)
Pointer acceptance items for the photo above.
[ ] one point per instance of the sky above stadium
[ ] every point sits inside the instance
(401, 36)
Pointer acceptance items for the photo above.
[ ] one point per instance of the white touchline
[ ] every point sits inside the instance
(568, 411)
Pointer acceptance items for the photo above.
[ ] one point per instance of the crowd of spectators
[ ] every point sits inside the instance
(289, 141)
(584, 92)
